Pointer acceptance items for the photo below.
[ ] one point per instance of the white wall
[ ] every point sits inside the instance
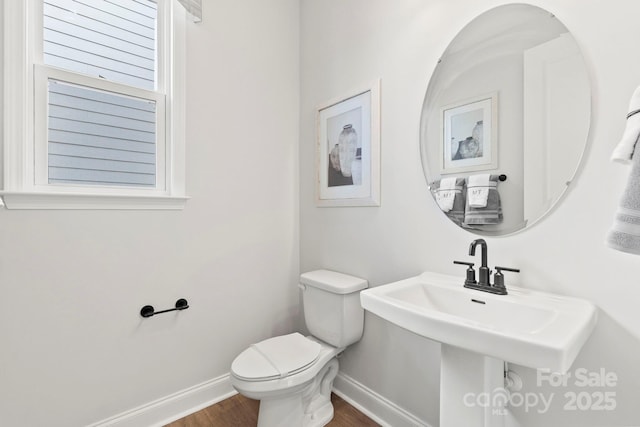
(73, 347)
(345, 43)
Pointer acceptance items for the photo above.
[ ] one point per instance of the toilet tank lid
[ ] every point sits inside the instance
(332, 281)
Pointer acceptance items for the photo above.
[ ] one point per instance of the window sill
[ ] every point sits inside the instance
(30, 200)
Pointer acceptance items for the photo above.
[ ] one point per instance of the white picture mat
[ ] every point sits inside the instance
(362, 111)
(458, 121)
(330, 131)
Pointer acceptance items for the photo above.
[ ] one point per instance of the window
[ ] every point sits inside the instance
(96, 108)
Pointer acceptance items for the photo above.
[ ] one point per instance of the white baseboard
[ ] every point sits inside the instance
(370, 403)
(173, 407)
(185, 402)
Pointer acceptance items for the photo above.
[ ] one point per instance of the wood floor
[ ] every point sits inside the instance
(239, 411)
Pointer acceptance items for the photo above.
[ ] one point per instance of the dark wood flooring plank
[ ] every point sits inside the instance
(239, 411)
(348, 416)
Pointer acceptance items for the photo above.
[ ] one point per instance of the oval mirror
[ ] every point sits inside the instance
(505, 120)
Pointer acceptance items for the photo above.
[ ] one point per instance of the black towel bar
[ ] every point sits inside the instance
(148, 310)
(502, 177)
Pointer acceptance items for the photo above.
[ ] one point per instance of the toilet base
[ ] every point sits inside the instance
(309, 407)
(321, 415)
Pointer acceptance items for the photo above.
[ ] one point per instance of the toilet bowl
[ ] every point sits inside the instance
(292, 375)
(299, 398)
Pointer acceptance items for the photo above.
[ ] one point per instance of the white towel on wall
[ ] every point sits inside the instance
(478, 190)
(625, 232)
(624, 150)
(446, 194)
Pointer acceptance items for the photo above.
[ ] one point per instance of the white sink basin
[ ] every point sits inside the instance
(530, 328)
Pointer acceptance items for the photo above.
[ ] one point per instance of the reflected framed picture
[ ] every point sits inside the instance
(469, 137)
(348, 149)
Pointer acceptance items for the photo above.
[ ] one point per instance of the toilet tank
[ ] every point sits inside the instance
(332, 310)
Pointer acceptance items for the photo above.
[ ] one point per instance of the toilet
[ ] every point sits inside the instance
(292, 375)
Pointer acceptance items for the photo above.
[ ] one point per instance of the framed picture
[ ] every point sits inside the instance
(348, 149)
(469, 139)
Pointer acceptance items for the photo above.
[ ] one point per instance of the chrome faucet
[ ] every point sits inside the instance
(484, 273)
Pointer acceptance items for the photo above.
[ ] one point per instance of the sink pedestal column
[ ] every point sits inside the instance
(471, 389)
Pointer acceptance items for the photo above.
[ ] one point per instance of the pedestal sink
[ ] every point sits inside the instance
(479, 331)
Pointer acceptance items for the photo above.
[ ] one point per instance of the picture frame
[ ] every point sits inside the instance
(469, 135)
(348, 149)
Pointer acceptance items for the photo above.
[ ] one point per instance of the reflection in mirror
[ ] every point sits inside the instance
(510, 96)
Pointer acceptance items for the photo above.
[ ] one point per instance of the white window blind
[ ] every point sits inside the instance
(194, 7)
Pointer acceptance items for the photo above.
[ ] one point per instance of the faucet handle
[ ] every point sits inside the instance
(514, 270)
(498, 278)
(471, 273)
(470, 264)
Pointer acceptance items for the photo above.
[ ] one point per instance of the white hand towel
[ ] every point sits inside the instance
(625, 232)
(624, 150)
(446, 194)
(478, 190)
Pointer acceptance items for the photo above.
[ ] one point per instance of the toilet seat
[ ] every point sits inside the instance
(276, 358)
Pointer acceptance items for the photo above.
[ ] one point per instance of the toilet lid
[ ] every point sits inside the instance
(276, 357)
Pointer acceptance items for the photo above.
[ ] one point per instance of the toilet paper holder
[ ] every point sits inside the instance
(148, 310)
